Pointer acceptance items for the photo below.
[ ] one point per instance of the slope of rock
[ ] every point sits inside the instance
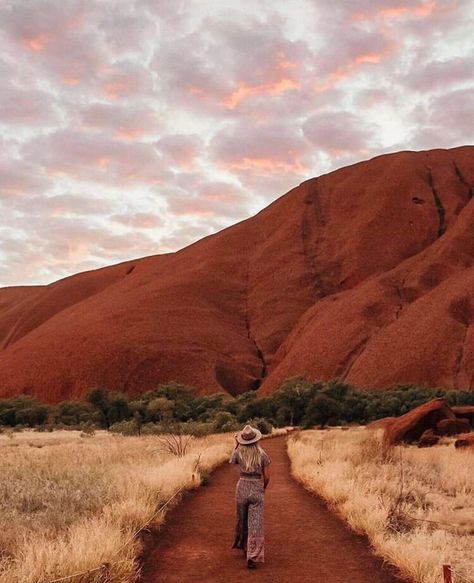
(365, 274)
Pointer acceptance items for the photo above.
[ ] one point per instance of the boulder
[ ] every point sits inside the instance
(466, 440)
(428, 438)
(411, 426)
(453, 426)
(464, 412)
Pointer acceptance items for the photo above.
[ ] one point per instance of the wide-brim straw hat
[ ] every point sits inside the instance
(248, 435)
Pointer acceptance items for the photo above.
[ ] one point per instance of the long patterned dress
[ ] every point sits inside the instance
(249, 494)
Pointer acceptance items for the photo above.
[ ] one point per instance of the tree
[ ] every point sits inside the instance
(98, 398)
(321, 409)
(292, 399)
(159, 409)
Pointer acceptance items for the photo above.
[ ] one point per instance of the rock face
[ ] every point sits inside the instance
(366, 274)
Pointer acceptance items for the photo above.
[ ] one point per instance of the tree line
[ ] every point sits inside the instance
(173, 405)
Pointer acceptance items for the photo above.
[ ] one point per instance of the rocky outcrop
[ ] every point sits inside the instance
(453, 426)
(410, 427)
(364, 274)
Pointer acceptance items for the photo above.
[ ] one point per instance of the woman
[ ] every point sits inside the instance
(254, 479)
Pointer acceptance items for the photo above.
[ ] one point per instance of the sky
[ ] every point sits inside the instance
(132, 128)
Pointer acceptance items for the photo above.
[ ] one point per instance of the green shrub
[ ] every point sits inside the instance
(224, 421)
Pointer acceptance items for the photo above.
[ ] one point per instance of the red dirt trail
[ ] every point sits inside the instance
(305, 542)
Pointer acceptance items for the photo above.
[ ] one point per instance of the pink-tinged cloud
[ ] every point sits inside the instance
(126, 80)
(278, 149)
(180, 150)
(411, 9)
(84, 156)
(36, 43)
(208, 200)
(443, 120)
(272, 88)
(353, 66)
(76, 204)
(26, 107)
(138, 220)
(122, 122)
(220, 81)
(18, 179)
(339, 133)
(282, 80)
(440, 74)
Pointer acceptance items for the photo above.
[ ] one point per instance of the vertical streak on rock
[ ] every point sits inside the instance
(460, 358)
(250, 336)
(463, 181)
(438, 204)
(352, 358)
(312, 219)
(400, 305)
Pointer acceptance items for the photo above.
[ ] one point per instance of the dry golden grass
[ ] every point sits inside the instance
(68, 503)
(392, 495)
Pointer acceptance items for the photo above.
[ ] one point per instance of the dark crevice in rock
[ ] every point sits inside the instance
(463, 181)
(130, 269)
(250, 336)
(399, 306)
(438, 204)
(352, 357)
(462, 311)
(460, 357)
(313, 217)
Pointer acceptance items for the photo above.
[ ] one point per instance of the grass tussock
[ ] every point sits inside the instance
(69, 502)
(415, 505)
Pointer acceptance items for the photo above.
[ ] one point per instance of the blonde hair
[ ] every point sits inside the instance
(250, 457)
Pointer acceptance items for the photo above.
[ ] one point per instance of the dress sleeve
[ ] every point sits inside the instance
(234, 459)
(266, 461)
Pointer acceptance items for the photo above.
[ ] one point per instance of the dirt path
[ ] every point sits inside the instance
(305, 542)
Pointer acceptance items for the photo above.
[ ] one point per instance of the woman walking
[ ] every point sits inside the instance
(254, 479)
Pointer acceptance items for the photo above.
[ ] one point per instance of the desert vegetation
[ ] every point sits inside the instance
(71, 501)
(175, 407)
(415, 505)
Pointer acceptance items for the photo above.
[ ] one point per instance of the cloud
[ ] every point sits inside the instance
(138, 220)
(19, 178)
(260, 149)
(209, 200)
(180, 150)
(436, 75)
(26, 107)
(339, 133)
(126, 79)
(119, 121)
(84, 156)
(444, 120)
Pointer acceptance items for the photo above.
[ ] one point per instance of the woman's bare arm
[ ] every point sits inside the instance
(266, 476)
